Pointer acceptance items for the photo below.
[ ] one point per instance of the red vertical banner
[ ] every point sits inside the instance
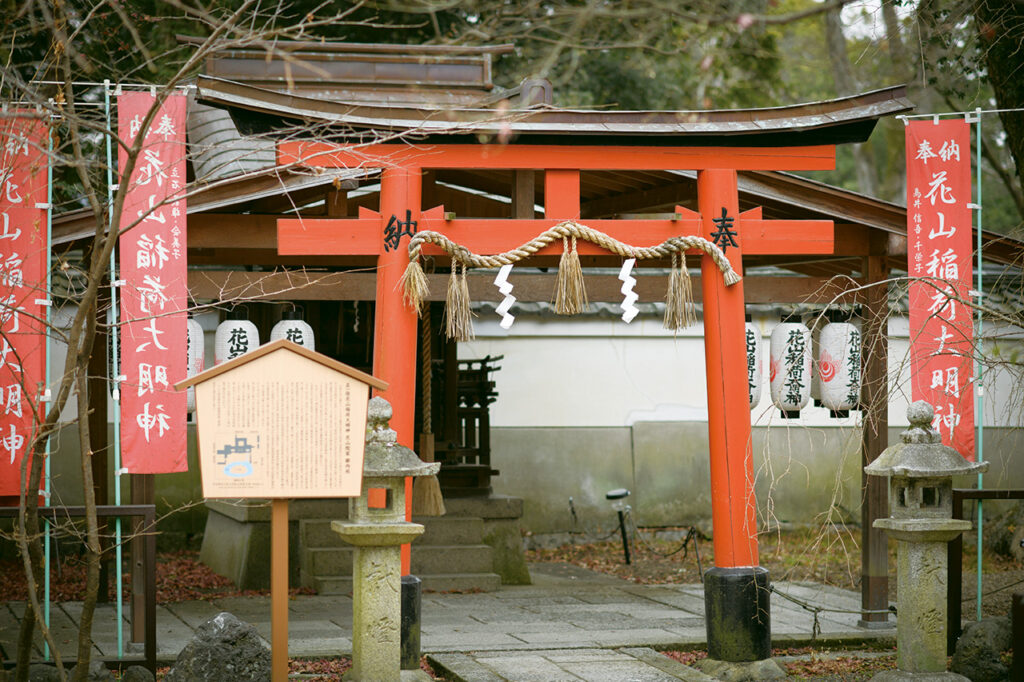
(939, 262)
(24, 161)
(154, 297)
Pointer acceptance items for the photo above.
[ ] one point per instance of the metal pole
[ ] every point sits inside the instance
(114, 370)
(979, 399)
(622, 530)
(46, 382)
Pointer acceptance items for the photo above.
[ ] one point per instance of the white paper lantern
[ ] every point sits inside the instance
(790, 367)
(755, 372)
(234, 337)
(295, 329)
(839, 367)
(196, 345)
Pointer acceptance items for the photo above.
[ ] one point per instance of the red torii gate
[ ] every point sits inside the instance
(736, 597)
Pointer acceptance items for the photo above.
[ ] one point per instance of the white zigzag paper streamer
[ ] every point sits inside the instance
(501, 281)
(629, 311)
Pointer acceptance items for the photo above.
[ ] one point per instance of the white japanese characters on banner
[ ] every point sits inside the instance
(939, 261)
(23, 260)
(154, 297)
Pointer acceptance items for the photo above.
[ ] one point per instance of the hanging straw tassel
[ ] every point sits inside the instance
(414, 285)
(426, 490)
(680, 312)
(571, 295)
(458, 318)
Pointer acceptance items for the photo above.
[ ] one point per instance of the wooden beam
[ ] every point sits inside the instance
(326, 155)
(640, 201)
(874, 438)
(295, 285)
(232, 230)
(524, 198)
(311, 236)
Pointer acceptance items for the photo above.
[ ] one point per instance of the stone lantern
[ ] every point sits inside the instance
(921, 471)
(376, 526)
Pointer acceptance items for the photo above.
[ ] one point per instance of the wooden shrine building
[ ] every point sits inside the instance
(310, 176)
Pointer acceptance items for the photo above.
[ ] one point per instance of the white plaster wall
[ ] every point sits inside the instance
(599, 372)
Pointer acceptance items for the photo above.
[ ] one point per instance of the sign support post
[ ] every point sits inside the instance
(279, 590)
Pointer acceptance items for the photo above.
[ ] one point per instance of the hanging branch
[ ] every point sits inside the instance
(571, 295)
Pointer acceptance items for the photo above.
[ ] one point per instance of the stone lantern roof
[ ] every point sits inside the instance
(922, 454)
(384, 457)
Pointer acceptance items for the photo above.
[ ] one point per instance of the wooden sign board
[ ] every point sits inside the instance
(281, 422)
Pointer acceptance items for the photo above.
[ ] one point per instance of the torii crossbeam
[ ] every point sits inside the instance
(736, 594)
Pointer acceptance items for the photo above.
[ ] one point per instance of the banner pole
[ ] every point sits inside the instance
(46, 381)
(112, 319)
(979, 396)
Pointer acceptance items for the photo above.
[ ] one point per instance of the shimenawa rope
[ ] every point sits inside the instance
(571, 294)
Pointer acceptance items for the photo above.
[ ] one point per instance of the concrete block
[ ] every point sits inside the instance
(329, 561)
(525, 667)
(434, 559)
(666, 664)
(462, 667)
(450, 530)
(461, 582)
(505, 537)
(486, 507)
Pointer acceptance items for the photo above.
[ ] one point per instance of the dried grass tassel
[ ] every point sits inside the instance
(680, 312)
(571, 295)
(414, 285)
(458, 318)
(731, 277)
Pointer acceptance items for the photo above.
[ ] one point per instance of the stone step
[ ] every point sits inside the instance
(438, 530)
(323, 561)
(444, 582)
(450, 530)
(318, 533)
(318, 508)
(426, 559)
(438, 559)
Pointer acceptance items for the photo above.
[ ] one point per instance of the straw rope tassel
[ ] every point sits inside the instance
(571, 294)
(673, 310)
(414, 285)
(427, 499)
(458, 318)
(680, 311)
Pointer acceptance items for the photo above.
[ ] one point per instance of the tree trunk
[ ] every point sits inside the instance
(842, 74)
(1000, 26)
(92, 538)
(897, 51)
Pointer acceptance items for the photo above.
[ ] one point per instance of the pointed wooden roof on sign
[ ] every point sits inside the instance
(286, 345)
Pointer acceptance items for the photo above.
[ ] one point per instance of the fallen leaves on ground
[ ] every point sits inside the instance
(179, 577)
(814, 664)
(845, 668)
(829, 555)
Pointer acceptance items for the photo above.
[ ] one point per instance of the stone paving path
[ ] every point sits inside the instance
(571, 624)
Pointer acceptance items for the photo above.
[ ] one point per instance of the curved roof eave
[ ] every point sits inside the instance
(847, 119)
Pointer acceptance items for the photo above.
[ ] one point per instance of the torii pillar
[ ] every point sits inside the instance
(736, 604)
(736, 588)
